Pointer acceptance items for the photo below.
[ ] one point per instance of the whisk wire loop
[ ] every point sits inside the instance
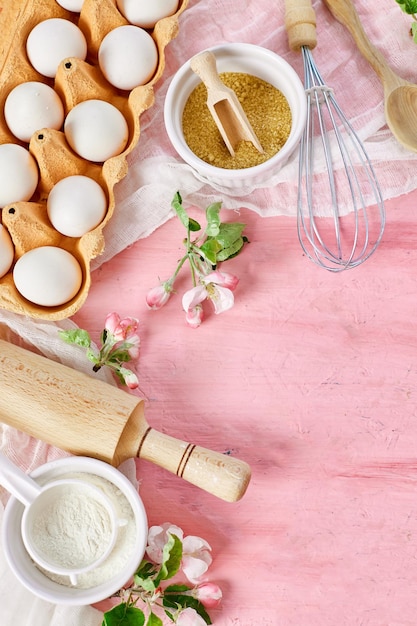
(345, 172)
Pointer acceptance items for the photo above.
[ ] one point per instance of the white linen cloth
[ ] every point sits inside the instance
(155, 172)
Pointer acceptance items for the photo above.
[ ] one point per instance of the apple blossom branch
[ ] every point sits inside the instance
(168, 553)
(218, 242)
(119, 345)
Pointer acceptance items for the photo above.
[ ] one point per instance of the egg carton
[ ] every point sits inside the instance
(76, 81)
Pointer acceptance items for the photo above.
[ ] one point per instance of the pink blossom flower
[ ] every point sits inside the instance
(193, 297)
(217, 287)
(157, 538)
(223, 279)
(130, 378)
(221, 297)
(196, 557)
(190, 617)
(194, 316)
(196, 552)
(158, 296)
(209, 594)
(133, 343)
(121, 329)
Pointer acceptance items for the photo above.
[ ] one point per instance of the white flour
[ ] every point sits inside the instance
(126, 537)
(73, 531)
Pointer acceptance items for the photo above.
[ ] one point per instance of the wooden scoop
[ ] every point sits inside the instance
(89, 417)
(400, 95)
(223, 104)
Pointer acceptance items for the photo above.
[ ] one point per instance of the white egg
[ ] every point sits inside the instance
(146, 13)
(128, 57)
(52, 41)
(48, 276)
(76, 205)
(31, 106)
(96, 130)
(71, 5)
(6, 251)
(19, 174)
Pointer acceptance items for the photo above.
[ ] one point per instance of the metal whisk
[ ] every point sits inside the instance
(335, 171)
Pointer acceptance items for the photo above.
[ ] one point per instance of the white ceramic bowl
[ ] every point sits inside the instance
(37, 582)
(250, 59)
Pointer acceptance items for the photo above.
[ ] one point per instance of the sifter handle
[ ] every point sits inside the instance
(15, 480)
(300, 24)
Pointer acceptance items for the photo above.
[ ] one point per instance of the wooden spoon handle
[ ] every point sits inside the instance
(345, 13)
(300, 24)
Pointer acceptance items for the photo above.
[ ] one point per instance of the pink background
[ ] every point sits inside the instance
(310, 378)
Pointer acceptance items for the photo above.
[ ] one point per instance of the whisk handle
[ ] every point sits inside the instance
(300, 24)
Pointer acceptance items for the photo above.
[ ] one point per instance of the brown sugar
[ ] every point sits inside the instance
(266, 108)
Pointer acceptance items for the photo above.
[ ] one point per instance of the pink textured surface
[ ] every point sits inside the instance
(312, 379)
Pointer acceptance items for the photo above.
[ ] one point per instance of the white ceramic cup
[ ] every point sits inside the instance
(32, 577)
(250, 59)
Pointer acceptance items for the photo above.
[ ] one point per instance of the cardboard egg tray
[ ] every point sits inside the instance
(76, 81)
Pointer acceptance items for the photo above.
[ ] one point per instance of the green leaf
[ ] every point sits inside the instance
(179, 209)
(77, 336)
(124, 615)
(414, 31)
(408, 6)
(210, 248)
(173, 598)
(193, 225)
(170, 615)
(146, 583)
(154, 620)
(186, 221)
(120, 356)
(92, 356)
(176, 199)
(144, 576)
(213, 219)
(146, 568)
(230, 251)
(175, 588)
(229, 233)
(171, 558)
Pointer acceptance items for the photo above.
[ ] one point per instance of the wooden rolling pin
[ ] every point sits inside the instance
(88, 417)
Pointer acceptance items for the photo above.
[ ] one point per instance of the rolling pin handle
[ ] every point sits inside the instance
(219, 474)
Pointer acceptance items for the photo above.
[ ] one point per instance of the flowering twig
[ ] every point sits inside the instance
(217, 243)
(119, 344)
(168, 553)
